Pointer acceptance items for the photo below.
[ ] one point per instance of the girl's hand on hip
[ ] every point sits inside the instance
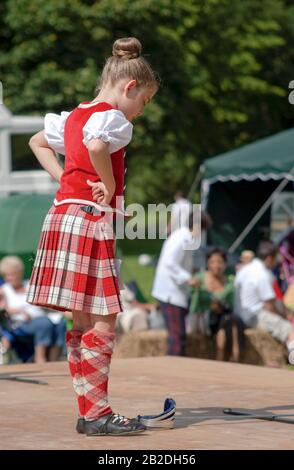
(100, 193)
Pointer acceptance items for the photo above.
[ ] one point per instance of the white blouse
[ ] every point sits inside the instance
(54, 130)
(110, 126)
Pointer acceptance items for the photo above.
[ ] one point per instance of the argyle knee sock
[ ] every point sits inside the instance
(73, 343)
(96, 351)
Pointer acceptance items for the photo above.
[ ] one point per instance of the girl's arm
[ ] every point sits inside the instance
(104, 134)
(46, 155)
(101, 161)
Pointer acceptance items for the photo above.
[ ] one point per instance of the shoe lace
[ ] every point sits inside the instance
(120, 419)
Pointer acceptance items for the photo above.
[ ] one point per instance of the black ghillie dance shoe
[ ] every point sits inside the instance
(80, 428)
(113, 424)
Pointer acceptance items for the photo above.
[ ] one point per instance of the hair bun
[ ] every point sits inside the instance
(127, 48)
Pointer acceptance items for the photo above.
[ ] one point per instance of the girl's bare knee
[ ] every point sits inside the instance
(81, 320)
(104, 323)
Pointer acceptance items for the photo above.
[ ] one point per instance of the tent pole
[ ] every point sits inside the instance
(259, 214)
(195, 183)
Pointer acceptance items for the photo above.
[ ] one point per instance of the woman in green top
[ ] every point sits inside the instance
(213, 295)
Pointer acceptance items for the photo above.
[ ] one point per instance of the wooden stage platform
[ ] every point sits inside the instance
(43, 416)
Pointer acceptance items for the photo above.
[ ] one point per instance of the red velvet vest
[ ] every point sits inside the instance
(78, 167)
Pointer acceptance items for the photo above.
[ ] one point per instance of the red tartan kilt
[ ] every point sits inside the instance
(73, 269)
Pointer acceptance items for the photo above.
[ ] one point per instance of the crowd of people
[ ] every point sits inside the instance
(220, 303)
(258, 293)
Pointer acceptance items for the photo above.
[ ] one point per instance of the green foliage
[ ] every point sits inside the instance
(225, 68)
(143, 275)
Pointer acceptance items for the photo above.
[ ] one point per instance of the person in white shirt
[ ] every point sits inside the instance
(171, 284)
(44, 333)
(181, 210)
(255, 297)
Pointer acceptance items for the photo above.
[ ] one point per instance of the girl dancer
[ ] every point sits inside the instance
(75, 266)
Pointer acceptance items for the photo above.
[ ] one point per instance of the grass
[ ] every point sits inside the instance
(129, 251)
(143, 275)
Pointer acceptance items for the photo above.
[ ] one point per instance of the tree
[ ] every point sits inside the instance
(225, 68)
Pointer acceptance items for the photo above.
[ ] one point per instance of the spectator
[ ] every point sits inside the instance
(27, 323)
(171, 284)
(213, 297)
(286, 247)
(288, 301)
(200, 255)
(289, 298)
(181, 209)
(245, 258)
(135, 314)
(255, 297)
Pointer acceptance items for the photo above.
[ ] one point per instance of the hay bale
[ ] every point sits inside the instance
(141, 344)
(201, 346)
(260, 347)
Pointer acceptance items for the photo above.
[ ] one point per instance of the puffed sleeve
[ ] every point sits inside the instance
(110, 126)
(54, 130)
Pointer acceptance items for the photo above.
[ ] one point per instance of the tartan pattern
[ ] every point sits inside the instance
(174, 317)
(96, 351)
(74, 268)
(73, 342)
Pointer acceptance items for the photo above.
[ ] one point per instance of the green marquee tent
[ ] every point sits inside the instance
(236, 184)
(21, 220)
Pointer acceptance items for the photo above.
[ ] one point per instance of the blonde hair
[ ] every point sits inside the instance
(127, 62)
(11, 262)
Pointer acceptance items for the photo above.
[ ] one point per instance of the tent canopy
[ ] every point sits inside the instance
(236, 184)
(266, 159)
(22, 217)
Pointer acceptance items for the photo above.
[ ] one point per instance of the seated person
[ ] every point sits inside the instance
(135, 314)
(289, 303)
(213, 296)
(27, 328)
(256, 299)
